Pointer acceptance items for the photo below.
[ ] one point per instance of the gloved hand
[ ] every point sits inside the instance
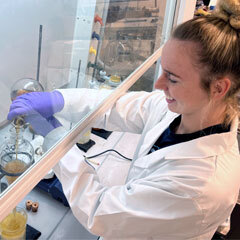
(42, 125)
(43, 103)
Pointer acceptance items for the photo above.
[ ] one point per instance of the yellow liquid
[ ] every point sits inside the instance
(17, 134)
(115, 78)
(105, 86)
(15, 166)
(19, 93)
(13, 227)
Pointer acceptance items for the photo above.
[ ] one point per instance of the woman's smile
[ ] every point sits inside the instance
(169, 99)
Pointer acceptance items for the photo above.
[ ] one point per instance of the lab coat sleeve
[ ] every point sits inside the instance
(130, 112)
(141, 208)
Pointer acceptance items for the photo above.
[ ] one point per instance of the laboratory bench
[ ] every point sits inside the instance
(53, 219)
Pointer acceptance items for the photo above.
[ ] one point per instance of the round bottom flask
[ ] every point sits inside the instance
(25, 85)
(17, 154)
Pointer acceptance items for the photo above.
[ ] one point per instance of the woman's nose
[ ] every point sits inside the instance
(161, 83)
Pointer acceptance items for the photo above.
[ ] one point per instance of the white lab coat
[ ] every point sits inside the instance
(184, 191)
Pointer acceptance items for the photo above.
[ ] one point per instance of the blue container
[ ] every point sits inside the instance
(212, 8)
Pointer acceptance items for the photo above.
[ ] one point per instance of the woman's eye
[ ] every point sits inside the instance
(170, 79)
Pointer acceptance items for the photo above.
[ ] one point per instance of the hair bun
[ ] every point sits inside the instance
(229, 11)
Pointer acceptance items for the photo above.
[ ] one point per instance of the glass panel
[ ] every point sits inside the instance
(132, 32)
(73, 44)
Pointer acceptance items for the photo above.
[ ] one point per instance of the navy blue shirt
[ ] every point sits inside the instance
(169, 137)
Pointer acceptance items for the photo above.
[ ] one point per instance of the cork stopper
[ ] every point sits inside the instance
(35, 206)
(28, 205)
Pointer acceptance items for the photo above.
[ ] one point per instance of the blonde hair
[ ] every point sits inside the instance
(218, 54)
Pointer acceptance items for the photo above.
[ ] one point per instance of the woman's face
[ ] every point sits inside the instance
(180, 79)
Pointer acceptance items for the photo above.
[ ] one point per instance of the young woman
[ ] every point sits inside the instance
(184, 179)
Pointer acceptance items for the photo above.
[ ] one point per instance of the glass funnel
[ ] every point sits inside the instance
(25, 85)
(17, 154)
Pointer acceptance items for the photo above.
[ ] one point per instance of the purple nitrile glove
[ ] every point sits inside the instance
(43, 103)
(41, 125)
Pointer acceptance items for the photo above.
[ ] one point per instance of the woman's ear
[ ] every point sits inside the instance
(220, 87)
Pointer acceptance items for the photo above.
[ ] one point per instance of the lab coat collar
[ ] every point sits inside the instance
(202, 147)
(206, 146)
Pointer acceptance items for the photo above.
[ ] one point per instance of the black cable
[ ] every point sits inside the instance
(109, 150)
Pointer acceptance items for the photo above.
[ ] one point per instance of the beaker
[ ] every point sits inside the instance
(85, 137)
(13, 226)
(17, 154)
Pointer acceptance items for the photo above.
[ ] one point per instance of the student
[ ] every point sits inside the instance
(185, 175)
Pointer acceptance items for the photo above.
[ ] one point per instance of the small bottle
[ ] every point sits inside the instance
(85, 137)
(114, 80)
